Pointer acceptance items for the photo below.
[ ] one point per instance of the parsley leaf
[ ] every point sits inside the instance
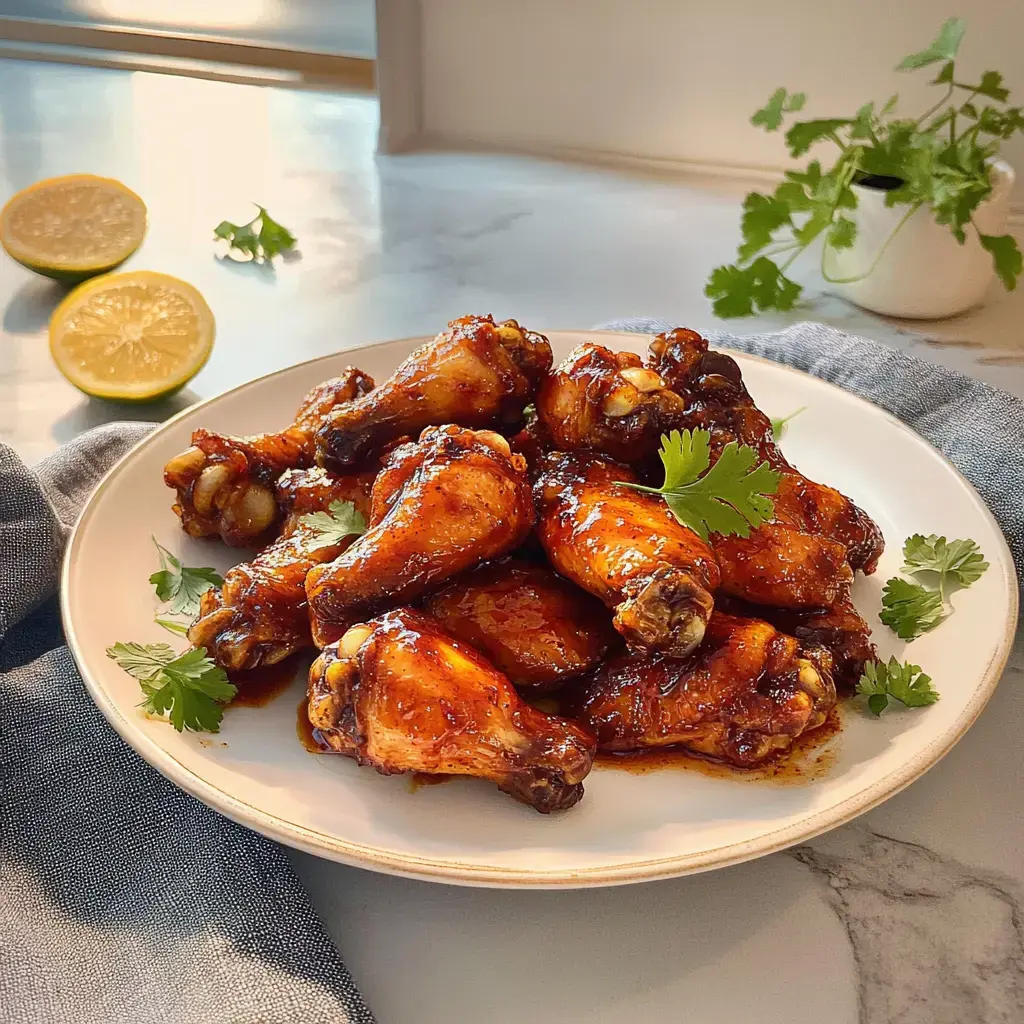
(729, 498)
(779, 423)
(262, 245)
(843, 233)
(180, 584)
(762, 216)
(342, 520)
(188, 688)
(900, 681)
(737, 291)
(805, 134)
(141, 661)
(910, 609)
(991, 85)
(944, 47)
(770, 115)
(180, 628)
(960, 559)
(1006, 256)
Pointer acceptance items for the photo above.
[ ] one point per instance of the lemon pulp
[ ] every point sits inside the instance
(134, 336)
(73, 227)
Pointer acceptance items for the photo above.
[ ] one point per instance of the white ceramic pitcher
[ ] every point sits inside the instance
(924, 273)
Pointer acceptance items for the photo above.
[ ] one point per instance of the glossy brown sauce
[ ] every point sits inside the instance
(308, 736)
(811, 758)
(259, 686)
(419, 779)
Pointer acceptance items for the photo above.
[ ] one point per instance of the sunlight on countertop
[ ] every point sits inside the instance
(390, 246)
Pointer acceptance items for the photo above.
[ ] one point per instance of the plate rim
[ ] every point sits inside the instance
(438, 870)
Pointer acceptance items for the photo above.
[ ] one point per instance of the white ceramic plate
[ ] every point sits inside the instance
(628, 827)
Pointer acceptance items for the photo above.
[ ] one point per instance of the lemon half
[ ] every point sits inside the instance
(73, 227)
(132, 337)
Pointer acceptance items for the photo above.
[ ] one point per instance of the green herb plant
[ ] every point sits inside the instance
(939, 160)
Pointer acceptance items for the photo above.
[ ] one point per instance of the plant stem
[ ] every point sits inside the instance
(781, 247)
(974, 129)
(641, 487)
(785, 266)
(931, 110)
(881, 252)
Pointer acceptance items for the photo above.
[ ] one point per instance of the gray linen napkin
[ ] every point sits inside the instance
(122, 899)
(979, 428)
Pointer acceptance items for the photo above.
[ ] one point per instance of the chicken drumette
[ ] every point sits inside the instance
(477, 374)
(841, 630)
(627, 549)
(532, 624)
(716, 399)
(607, 403)
(743, 696)
(399, 694)
(441, 504)
(604, 402)
(225, 485)
(780, 566)
(260, 615)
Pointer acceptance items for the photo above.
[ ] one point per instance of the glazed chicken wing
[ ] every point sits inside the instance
(441, 504)
(627, 549)
(260, 616)
(716, 399)
(477, 374)
(841, 630)
(607, 403)
(743, 696)
(780, 566)
(225, 485)
(532, 624)
(399, 694)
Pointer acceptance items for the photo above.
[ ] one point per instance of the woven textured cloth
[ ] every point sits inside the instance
(979, 428)
(122, 899)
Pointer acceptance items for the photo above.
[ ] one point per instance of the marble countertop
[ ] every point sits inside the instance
(912, 914)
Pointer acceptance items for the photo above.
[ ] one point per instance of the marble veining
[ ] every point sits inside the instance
(934, 941)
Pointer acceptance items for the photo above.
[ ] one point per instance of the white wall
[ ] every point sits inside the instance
(679, 79)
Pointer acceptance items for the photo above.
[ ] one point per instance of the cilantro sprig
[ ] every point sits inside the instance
(189, 689)
(341, 520)
(911, 609)
(894, 680)
(172, 625)
(959, 560)
(262, 243)
(730, 497)
(938, 160)
(780, 423)
(181, 585)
